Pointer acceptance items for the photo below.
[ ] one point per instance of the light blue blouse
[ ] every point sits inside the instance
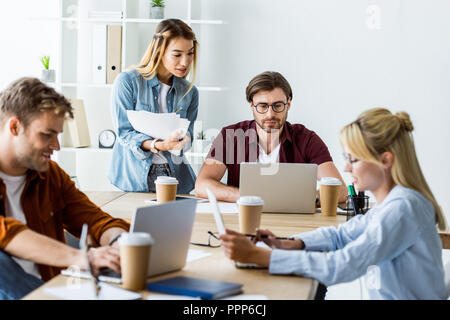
(395, 245)
(130, 164)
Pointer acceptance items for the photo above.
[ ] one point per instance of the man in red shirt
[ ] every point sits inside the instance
(269, 138)
(38, 200)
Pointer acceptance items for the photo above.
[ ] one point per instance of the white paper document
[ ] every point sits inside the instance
(194, 254)
(224, 207)
(157, 125)
(86, 291)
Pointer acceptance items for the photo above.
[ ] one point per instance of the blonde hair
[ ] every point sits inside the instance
(378, 130)
(166, 31)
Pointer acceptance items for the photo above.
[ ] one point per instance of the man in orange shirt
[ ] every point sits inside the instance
(38, 200)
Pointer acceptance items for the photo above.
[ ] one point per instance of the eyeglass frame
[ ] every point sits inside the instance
(348, 160)
(209, 241)
(270, 105)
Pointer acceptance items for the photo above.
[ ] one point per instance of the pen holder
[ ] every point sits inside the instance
(361, 201)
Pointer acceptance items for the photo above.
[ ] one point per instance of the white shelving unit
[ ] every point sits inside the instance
(74, 72)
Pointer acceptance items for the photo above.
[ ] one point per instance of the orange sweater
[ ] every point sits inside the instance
(52, 203)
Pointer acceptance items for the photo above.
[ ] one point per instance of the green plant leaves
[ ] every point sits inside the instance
(46, 61)
(158, 3)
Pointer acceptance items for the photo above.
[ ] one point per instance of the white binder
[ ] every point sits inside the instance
(99, 54)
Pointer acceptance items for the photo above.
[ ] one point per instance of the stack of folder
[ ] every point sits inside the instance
(107, 53)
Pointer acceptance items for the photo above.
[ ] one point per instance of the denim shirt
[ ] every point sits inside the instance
(130, 164)
(395, 246)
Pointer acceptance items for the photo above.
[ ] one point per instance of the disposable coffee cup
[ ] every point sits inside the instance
(329, 195)
(166, 189)
(250, 208)
(135, 251)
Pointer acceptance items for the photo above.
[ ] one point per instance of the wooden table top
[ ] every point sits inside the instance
(217, 266)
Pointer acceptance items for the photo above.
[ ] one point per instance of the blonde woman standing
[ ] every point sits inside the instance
(157, 85)
(395, 244)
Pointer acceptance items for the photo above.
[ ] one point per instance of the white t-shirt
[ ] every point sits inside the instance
(14, 189)
(273, 157)
(158, 158)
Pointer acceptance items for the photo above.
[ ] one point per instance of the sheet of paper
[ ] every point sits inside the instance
(157, 125)
(194, 254)
(85, 291)
(262, 245)
(224, 207)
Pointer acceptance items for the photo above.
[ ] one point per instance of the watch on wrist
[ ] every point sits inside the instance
(153, 147)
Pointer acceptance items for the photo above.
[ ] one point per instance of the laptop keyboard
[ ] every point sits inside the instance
(106, 275)
(107, 272)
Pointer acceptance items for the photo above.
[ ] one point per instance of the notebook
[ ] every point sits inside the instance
(195, 287)
(85, 291)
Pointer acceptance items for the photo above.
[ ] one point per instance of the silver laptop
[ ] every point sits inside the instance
(284, 187)
(170, 225)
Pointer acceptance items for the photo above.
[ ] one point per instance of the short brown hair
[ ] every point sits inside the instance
(268, 81)
(27, 98)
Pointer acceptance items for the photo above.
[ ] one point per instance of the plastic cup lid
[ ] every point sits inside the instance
(166, 180)
(136, 239)
(250, 201)
(329, 181)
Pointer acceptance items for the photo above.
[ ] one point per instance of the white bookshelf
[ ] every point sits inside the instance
(73, 62)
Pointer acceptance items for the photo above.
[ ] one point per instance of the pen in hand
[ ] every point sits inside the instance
(265, 236)
(96, 280)
(84, 248)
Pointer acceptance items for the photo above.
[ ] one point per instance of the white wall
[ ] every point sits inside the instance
(24, 42)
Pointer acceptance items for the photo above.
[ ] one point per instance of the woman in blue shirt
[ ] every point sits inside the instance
(395, 244)
(157, 85)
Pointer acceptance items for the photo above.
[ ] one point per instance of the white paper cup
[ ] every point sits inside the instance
(250, 208)
(166, 189)
(135, 251)
(329, 195)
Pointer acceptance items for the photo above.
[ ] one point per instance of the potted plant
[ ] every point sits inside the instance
(47, 75)
(157, 9)
(200, 142)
